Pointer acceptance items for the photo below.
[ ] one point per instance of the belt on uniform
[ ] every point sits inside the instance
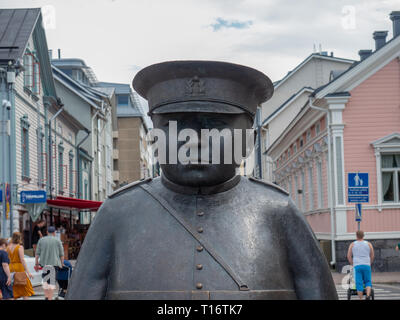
(203, 295)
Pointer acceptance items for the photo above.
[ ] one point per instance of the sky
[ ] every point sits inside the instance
(119, 37)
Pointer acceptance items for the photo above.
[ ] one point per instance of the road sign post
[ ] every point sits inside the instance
(358, 215)
(358, 192)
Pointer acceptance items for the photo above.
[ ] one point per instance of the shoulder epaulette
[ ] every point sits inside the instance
(270, 185)
(128, 186)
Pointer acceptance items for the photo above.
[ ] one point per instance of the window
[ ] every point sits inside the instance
(25, 147)
(71, 174)
(303, 191)
(60, 168)
(317, 128)
(31, 72)
(310, 188)
(77, 75)
(266, 140)
(288, 153)
(308, 135)
(86, 190)
(301, 142)
(68, 72)
(319, 181)
(123, 100)
(294, 148)
(391, 177)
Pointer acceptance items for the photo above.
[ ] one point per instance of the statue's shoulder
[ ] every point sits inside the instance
(269, 185)
(128, 187)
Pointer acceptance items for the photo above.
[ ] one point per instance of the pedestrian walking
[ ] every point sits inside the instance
(5, 274)
(18, 265)
(361, 256)
(50, 255)
(39, 231)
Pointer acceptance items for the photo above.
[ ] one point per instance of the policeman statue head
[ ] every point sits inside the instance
(203, 95)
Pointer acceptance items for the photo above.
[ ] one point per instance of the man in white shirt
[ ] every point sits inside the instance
(361, 255)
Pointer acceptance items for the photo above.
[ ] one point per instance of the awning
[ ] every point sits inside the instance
(73, 203)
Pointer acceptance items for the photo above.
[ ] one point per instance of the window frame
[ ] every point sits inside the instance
(25, 163)
(32, 80)
(395, 176)
(60, 168)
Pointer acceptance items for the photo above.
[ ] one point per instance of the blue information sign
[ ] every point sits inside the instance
(358, 187)
(33, 196)
(1, 195)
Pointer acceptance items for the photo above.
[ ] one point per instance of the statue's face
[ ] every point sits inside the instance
(202, 174)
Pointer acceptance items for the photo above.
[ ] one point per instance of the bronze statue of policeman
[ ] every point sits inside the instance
(200, 231)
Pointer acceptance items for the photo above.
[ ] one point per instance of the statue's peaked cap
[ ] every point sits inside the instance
(202, 86)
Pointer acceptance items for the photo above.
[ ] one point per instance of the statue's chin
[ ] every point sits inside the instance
(197, 175)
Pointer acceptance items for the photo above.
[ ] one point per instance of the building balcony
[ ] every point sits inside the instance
(115, 154)
(115, 175)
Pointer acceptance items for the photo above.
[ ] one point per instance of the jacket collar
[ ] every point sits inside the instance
(225, 186)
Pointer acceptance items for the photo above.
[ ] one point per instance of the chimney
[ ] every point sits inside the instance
(50, 54)
(380, 39)
(59, 53)
(395, 17)
(364, 54)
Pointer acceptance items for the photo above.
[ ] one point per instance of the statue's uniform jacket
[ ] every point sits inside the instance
(135, 249)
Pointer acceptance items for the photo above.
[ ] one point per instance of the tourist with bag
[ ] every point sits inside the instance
(22, 286)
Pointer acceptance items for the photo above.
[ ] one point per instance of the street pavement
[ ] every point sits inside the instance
(382, 292)
(386, 286)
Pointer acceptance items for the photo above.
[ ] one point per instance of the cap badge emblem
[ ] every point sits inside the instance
(195, 86)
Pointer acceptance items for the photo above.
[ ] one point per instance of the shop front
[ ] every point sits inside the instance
(70, 216)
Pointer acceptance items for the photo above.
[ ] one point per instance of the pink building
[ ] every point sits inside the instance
(352, 124)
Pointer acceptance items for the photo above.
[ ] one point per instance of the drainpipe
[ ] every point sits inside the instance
(78, 161)
(97, 152)
(330, 181)
(6, 105)
(12, 70)
(50, 146)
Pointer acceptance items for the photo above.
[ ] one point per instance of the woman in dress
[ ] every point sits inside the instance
(18, 264)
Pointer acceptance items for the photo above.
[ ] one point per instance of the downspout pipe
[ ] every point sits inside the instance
(78, 160)
(59, 103)
(12, 71)
(330, 180)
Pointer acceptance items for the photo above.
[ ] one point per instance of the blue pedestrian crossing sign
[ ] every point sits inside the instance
(358, 187)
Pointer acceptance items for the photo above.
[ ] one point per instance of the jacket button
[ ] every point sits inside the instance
(199, 285)
(199, 248)
(199, 266)
(200, 230)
